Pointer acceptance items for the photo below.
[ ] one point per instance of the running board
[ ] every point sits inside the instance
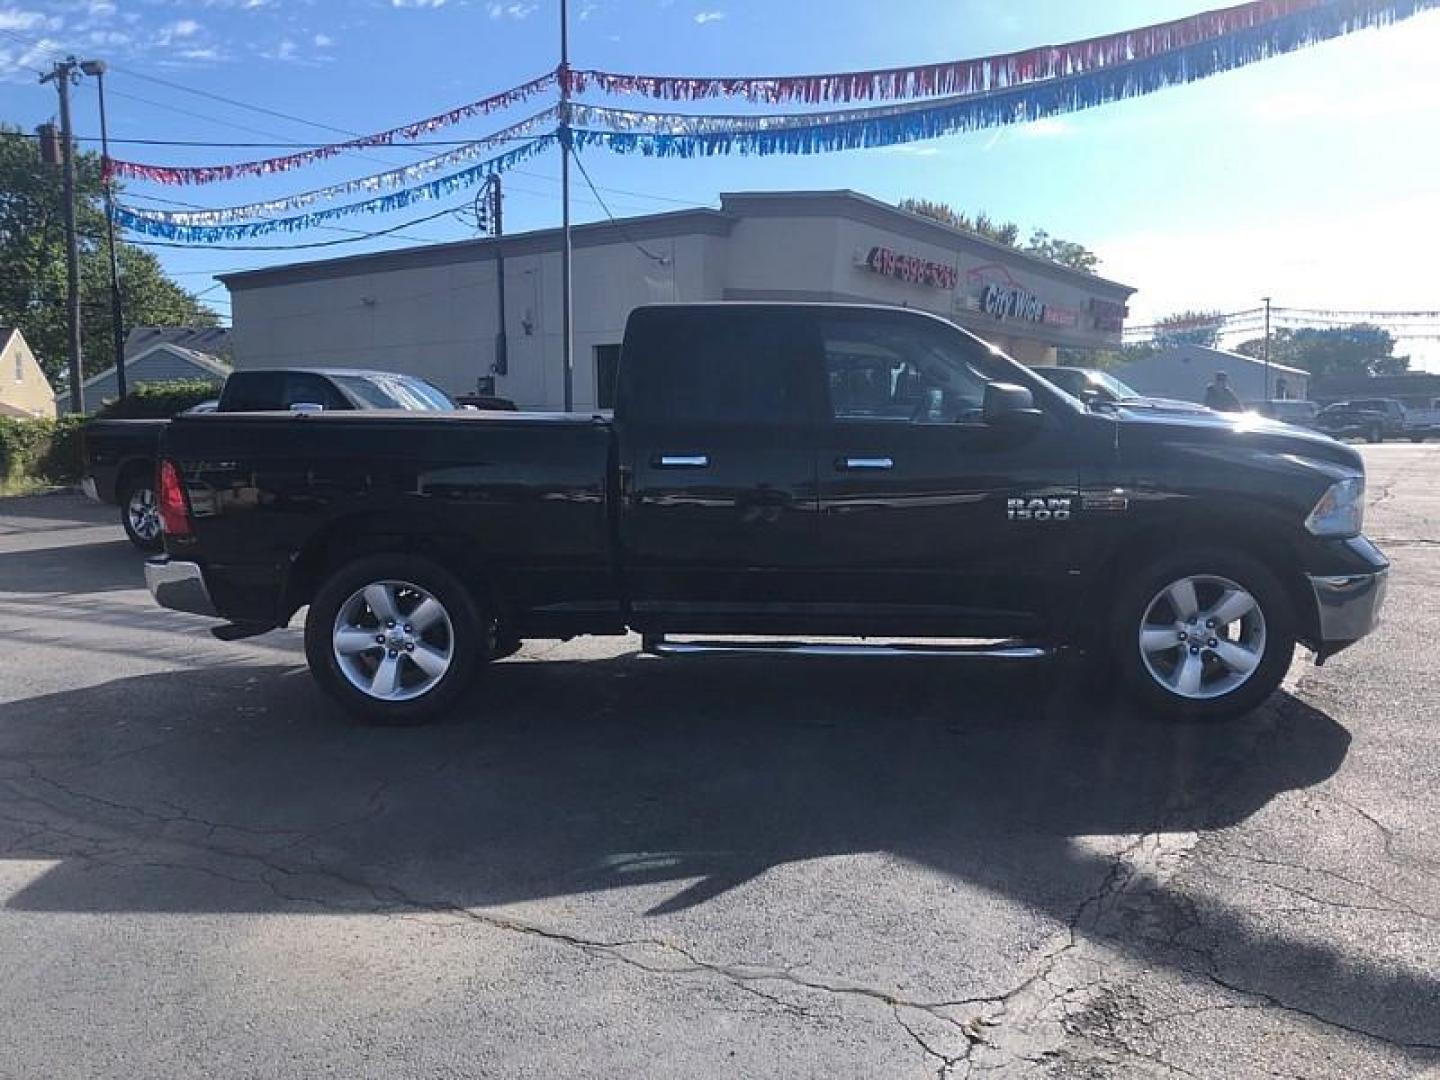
(1006, 650)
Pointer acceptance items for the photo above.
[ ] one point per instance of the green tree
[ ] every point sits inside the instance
(981, 223)
(32, 263)
(1065, 252)
(1189, 328)
(1359, 349)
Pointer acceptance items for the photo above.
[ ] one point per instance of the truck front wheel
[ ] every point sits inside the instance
(1204, 634)
(394, 638)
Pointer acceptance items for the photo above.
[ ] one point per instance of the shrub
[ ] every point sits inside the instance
(47, 450)
(159, 400)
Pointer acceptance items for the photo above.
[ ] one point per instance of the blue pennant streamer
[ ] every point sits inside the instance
(435, 189)
(679, 135)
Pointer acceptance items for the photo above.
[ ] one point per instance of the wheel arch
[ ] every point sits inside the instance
(1259, 539)
(360, 535)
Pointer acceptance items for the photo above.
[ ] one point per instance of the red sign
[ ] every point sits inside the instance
(912, 268)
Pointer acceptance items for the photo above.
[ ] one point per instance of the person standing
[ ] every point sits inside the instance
(1220, 397)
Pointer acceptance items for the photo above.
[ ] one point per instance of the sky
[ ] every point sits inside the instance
(1313, 178)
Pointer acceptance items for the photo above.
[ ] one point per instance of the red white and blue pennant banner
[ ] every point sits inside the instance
(439, 188)
(1054, 80)
(973, 76)
(210, 174)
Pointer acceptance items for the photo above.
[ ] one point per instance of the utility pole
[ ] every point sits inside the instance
(567, 329)
(497, 230)
(97, 69)
(1267, 347)
(61, 75)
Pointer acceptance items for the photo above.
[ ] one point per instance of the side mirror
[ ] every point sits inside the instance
(1010, 407)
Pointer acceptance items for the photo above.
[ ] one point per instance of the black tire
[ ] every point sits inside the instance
(1417, 438)
(467, 633)
(1279, 629)
(142, 528)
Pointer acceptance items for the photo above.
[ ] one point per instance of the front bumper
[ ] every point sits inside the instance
(1349, 608)
(179, 586)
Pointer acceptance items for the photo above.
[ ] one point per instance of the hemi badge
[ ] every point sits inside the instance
(1114, 500)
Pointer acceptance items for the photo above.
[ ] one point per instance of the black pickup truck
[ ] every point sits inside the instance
(120, 455)
(773, 471)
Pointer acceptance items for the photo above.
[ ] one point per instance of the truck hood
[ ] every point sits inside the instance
(1242, 433)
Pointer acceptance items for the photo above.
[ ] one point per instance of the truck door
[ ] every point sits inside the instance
(932, 521)
(716, 411)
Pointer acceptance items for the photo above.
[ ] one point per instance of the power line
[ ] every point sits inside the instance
(660, 260)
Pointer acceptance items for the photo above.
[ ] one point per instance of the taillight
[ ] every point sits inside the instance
(170, 500)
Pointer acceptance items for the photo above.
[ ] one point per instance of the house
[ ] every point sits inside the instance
(24, 389)
(1184, 371)
(210, 340)
(161, 362)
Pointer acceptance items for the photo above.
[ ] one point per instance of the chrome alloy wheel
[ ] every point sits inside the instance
(1202, 637)
(143, 514)
(393, 641)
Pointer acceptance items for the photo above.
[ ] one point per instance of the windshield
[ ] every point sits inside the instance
(395, 392)
(1112, 384)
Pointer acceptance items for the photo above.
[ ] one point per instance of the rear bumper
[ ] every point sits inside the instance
(1349, 608)
(179, 586)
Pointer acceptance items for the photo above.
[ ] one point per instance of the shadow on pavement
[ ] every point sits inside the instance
(571, 777)
(79, 568)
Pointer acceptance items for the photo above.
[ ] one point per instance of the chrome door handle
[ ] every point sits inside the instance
(684, 461)
(869, 463)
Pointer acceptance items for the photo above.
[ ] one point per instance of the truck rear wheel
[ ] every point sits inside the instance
(1204, 634)
(395, 639)
(140, 514)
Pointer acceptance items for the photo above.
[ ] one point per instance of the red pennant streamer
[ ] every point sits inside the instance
(974, 76)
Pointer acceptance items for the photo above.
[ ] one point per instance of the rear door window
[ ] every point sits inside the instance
(701, 366)
(253, 391)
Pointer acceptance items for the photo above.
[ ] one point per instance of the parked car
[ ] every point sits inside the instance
(1101, 389)
(1287, 411)
(120, 455)
(1371, 419)
(1420, 424)
(772, 470)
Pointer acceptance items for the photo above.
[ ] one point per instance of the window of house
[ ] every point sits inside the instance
(607, 370)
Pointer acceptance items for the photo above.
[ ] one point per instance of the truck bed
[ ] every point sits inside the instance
(527, 493)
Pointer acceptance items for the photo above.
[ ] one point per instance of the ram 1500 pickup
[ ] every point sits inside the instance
(120, 455)
(778, 471)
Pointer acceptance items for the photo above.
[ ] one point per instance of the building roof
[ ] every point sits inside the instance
(1202, 352)
(163, 360)
(210, 340)
(733, 207)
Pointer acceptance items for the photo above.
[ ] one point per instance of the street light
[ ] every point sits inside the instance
(96, 69)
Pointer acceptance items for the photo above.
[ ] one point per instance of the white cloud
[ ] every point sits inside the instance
(417, 3)
(286, 50)
(323, 41)
(182, 28)
(703, 17)
(517, 9)
(20, 19)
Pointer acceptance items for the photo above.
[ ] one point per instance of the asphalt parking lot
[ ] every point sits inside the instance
(618, 866)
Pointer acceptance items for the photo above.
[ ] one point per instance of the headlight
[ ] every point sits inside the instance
(1341, 510)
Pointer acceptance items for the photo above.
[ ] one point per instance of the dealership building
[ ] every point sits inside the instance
(434, 311)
